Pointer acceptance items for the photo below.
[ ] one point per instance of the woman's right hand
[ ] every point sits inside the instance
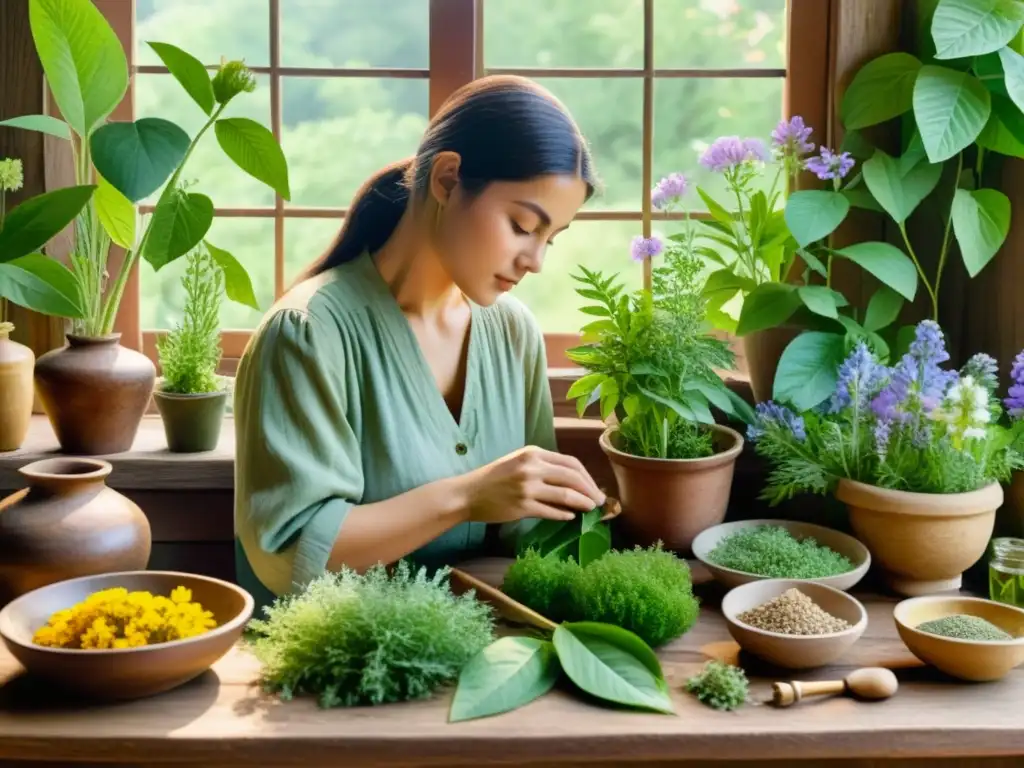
(530, 483)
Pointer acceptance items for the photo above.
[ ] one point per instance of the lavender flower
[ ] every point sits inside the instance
(646, 247)
(1015, 401)
(729, 152)
(929, 345)
(790, 137)
(668, 191)
(829, 165)
(771, 415)
(917, 384)
(883, 432)
(860, 377)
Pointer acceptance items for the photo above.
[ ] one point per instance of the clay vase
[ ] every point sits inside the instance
(923, 542)
(673, 500)
(95, 392)
(16, 393)
(762, 350)
(192, 423)
(66, 524)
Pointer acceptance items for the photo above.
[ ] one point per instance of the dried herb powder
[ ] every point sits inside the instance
(793, 613)
(964, 627)
(772, 551)
(720, 685)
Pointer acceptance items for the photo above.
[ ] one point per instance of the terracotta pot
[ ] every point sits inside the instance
(673, 500)
(191, 422)
(66, 524)
(762, 350)
(16, 363)
(95, 392)
(922, 541)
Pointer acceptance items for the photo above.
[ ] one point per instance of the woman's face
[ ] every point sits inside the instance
(490, 241)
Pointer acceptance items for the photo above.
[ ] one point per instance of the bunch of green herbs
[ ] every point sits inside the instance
(720, 685)
(770, 550)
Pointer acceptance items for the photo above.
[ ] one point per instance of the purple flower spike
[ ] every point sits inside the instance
(829, 165)
(790, 137)
(771, 415)
(860, 377)
(646, 247)
(883, 431)
(729, 152)
(668, 191)
(929, 345)
(1015, 401)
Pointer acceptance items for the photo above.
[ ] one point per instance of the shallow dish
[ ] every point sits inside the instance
(124, 673)
(838, 541)
(975, 660)
(793, 651)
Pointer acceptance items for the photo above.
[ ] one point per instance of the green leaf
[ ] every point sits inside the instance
(727, 280)
(881, 90)
(254, 149)
(584, 385)
(1013, 69)
(972, 27)
(981, 221)
(40, 124)
(180, 222)
(594, 545)
(717, 395)
(597, 310)
(767, 306)
(42, 284)
(36, 221)
(116, 214)
(136, 158)
(886, 262)
(188, 71)
(507, 674)
(950, 108)
(898, 193)
(237, 283)
(83, 60)
(742, 408)
(609, 397)
(883, 309)
(814, 214)
(819, 299)
(807, 370)
(862, 198)
(813, 262)
(854, 141)
(720, 214)
(678, 408)
(1004, 131)
(613, 664)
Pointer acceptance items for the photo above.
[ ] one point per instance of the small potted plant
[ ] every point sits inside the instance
(652, 362)
(190, 395)
(913, 450)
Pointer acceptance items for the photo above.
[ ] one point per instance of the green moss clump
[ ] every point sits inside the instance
(542, 583)
(720, 685)
(770, 550)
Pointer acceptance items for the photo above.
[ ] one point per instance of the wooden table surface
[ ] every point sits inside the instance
(223, 719)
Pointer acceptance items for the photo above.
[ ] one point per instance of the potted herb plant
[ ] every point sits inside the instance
(190, 395)
(95, 390)
(913, 450)
(652, 361)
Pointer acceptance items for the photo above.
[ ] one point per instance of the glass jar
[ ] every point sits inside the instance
(1006, 571)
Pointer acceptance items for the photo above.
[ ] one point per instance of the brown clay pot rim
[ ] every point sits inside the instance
(192, 396)
(860, 626)
(982, 501)
(901, 607)
(63, 468)
(242, 617)
(627, 459)
(78, 339)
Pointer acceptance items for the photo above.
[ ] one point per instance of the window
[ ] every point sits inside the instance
(348, 86)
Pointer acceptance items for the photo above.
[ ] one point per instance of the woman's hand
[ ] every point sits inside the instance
(530, 482)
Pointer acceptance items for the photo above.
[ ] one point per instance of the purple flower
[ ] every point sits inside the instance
(771, 415)
(860, 377)
(929, 345)
(729, 152)
(791, 137)
(669, 190)
(883, 431)
(646, 247)
(983, 369)
(829, 165)
(1015, 401)
(917, 383)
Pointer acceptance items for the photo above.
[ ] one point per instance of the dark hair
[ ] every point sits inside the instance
(504, 128)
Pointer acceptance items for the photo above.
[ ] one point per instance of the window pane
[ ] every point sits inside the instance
(690, 114)
(338, 131)
(251, 241)
(598, 245)
(235, 29)
(615, 135)
(564, 33)
(355, 33)
(719, 33)
(215, 175)
(305, 240)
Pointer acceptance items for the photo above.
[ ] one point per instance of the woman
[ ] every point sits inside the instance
(395, 401)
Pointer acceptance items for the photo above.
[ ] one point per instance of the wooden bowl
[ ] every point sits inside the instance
(840, 542)
(975, 660)
(124, 673)
(793, 651)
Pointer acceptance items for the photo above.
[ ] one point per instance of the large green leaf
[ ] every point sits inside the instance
(1004, 131)
(189, 72)
(881, 90)
(883, 309)
(814, 214)
(886, 262)
(767, 306)
(819, 299)
(237, 283)
(138, 157)
(1013, 69)
(180, 222)
(254, 149)
(897, 192)
(717, 210)
(41, 284)
(613, 664)
(40, 124)
(84, 62)
(981, 221)
(950, 108)
(116, 213)
(807, 370)
(36, 221)
(507, 674)
(973, 27)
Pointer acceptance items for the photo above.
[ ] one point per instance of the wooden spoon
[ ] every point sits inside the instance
(869, 683)
(511, 609)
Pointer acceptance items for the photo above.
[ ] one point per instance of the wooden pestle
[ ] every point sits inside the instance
(869, 683)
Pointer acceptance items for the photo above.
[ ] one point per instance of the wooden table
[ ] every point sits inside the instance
(222, 719)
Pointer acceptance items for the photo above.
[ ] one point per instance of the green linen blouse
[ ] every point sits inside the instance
(335, 405)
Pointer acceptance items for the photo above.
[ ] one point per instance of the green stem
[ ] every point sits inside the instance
(920, 271)
(3, 207)
(979, 166)
(828, 276)
(945, 237)
(740, 225)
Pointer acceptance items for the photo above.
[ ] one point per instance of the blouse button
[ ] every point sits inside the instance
(461, 449)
